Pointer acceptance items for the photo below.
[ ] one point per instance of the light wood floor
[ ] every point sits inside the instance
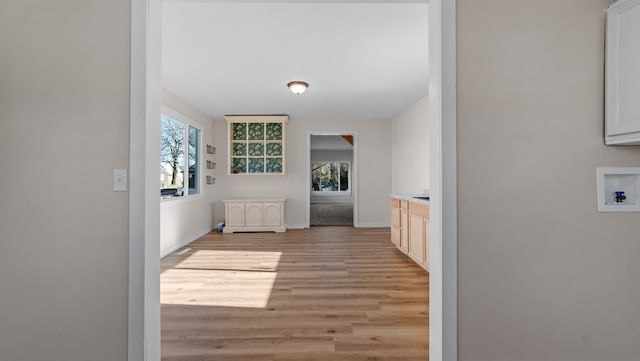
(325, 293)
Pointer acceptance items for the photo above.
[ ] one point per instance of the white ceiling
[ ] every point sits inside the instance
(363, 60)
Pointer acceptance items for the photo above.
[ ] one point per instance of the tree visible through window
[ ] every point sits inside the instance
(330, 177)
(178, 139)
(194, 156)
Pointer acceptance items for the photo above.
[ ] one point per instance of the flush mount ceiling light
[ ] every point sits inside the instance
(298, 87)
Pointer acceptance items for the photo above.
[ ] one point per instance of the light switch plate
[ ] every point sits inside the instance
(119, 180)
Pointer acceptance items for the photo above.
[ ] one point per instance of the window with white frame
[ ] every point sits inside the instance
(179, 156)
(330, 177)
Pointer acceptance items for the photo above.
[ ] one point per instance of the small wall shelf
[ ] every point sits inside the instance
(211, 164)
(621, 179)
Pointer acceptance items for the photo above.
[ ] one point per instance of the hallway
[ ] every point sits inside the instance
(326, 293)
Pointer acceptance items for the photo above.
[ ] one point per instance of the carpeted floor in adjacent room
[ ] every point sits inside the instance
(331, 214)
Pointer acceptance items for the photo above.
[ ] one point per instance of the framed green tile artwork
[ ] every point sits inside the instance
(256, 144)
(273, 165)
(256, 149)
(274, 131)
(238, 165)
(239, 149)
(274, 149)
(256, 165)
(239, 131)
(256, 131)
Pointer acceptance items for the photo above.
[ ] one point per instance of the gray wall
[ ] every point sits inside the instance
(410, 149)
(64, 118)
(542, 275)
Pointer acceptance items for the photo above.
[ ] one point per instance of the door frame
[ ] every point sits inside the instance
(354, 172)
(144, 200)
(144, 203)
(443, 223)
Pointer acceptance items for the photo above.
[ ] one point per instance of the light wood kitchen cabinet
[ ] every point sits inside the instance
(410, 229)
(396, 229)
(404, 226)
(622, 73)
(254, 215)
(419, 234)
(399, 224)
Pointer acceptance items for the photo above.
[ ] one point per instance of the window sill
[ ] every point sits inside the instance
(257, 174)
(331, 193)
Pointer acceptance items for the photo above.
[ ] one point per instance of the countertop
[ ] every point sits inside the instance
(409, 197)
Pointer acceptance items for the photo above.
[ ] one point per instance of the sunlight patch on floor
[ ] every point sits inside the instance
(231, 260)
(221, 278)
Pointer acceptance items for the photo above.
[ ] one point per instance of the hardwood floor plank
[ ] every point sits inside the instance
(326, 293)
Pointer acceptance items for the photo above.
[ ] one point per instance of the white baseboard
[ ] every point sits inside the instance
(359, 225)
(373, 225)
(278, 229)
(186, 241)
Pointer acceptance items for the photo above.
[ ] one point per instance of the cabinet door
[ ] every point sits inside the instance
(272, 214)
(253, 215)
(395, 236)
(404, 230)
(235, 215)
(395, 222)
(426, 243)
(419, 233)
(622, 85)
(417, 238)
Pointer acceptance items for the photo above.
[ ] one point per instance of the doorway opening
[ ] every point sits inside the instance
(331, 200)
(332, 178)
(144, 304)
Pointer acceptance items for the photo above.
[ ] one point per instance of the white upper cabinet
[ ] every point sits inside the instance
(622, 85)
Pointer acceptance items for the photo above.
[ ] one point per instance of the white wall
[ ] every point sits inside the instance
(185, 219)
(374, 183)
(542, 275)
(318, 155)
(410, 150)
(64, 119)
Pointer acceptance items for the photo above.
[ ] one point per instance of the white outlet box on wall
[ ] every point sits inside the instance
(618, 189)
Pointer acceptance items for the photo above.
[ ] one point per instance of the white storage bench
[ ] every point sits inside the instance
(254, 215)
